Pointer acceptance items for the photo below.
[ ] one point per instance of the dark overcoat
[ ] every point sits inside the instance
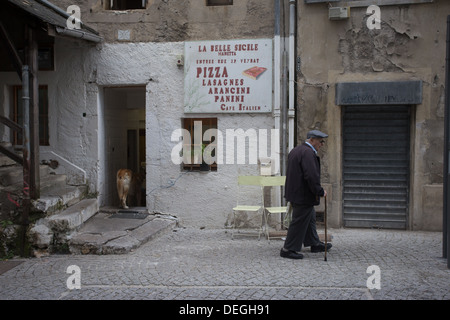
(303, 177)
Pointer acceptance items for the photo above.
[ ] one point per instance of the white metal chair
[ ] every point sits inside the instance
(272, 181)
(247, 181)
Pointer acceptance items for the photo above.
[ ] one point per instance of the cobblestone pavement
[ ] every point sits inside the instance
(207, 265)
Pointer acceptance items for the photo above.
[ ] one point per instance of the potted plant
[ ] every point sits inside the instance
(204, 166)
(198, 156)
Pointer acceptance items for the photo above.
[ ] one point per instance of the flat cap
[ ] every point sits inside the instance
(316, 134)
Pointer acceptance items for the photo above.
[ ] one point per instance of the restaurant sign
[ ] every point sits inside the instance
(230, 76)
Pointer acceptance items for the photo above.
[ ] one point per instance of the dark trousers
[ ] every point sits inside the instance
(302, 229)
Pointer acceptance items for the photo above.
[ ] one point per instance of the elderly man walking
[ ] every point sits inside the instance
(303, 191)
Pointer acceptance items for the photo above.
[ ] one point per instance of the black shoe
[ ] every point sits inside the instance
(321, 247)
(290, 254)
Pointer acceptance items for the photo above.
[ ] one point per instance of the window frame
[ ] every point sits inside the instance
(214, 3)
(121, 5)
(188, 124)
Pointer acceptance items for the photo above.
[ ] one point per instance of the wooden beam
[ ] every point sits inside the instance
(12, 52)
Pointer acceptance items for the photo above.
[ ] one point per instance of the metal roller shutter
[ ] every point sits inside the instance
(376, 166)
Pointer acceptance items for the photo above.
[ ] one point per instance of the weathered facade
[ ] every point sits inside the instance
(409, 48)
(120, 102)
(117, 103)
(142, 49)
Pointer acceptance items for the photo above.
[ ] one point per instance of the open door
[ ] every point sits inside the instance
(124, 140)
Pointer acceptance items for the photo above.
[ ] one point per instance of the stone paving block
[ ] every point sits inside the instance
(121, 245)
(89, 243)
(207, 264)
(152, 229)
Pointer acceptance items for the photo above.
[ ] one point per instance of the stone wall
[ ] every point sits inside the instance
(172, 21)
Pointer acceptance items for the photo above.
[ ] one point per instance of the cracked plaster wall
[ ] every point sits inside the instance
(180, 20)
(409, 46)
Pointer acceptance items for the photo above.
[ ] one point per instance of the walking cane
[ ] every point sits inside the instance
(325, 223)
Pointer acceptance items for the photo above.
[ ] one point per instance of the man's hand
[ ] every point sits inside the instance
(324, 193)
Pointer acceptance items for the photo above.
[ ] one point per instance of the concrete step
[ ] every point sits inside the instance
(6, 161)
(48, 182)
(13, 175)
(54, 200)
(73, 217)
(51, 234)
(52, 182)
(55, 194)
(105, 234)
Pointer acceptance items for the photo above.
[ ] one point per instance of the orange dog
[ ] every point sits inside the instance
(124, 177)
(129, 184)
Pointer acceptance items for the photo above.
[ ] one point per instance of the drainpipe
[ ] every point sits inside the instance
(277, 97)
(277, 79)
(291, 111)
(446, 200)
(26, 123)
(284, 94)
(26, 202)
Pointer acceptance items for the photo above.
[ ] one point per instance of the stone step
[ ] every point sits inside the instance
(13, 175)
(49, 234)
(6, 161)
(48, 183)
(52, 182)
(104, 234)
(56, 199)
(55, 194)
(73, 217)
